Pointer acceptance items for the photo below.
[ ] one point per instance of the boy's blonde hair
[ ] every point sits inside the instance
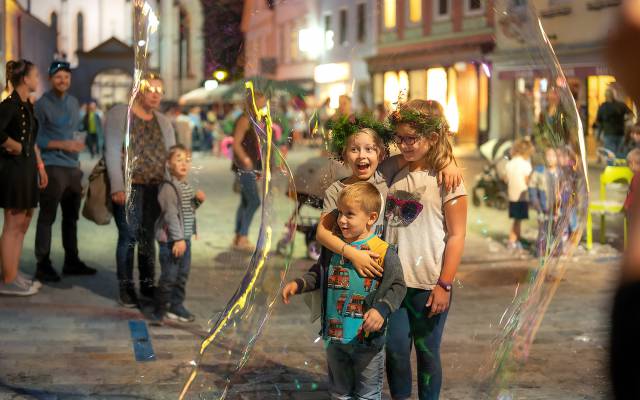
(522, 147)
(376, 139)
(364, 193)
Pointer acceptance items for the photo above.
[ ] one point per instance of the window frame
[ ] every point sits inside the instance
(441, 17)
(468, 11)
(408, 13)
(343, 34)
(384, 16)
(361, 35)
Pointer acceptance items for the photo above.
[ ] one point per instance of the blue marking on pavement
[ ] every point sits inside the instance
(141, 341)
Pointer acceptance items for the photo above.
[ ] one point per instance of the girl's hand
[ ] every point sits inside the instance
(373, 321)
(118, 198)
(44, 178)
(200, 196)
(450, 176)
(365, 262)
(179, 247)
(438, 301)
(12, 147)
(289, 290)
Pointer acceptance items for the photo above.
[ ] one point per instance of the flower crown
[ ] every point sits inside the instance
(421, 122)
(345, 126)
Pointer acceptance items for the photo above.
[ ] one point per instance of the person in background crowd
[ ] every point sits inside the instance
(150, 139)
(518, 171)
(21, 170)
(212, 130)
(610, 122)
(58, 115)
(184, 130)
(247, 166)
(92, 124)
(196, 128)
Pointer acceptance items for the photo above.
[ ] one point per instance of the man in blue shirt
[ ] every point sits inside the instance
(58, 114)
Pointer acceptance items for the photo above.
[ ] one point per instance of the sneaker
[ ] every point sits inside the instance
(179, 313)
(46, 273)
(128, 298)
(77, 268)
(156, 317)
(148, 291)
(17, 288)
(36, 283)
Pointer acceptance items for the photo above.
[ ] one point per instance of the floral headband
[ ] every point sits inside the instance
(344, 127)
(421, 122)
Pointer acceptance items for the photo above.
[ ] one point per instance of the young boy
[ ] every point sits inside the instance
(544, 197)
(354, 309)
(518, 170)
(174, 228)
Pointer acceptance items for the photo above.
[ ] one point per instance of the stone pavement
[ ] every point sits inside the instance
(72, 341)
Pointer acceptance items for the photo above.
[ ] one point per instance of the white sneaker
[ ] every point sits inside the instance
(17, 288)
(31, 281)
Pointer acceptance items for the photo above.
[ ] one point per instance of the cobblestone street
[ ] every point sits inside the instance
(72, 341)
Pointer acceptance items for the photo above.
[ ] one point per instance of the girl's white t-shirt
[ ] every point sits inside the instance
(518, 170)
(415, 223)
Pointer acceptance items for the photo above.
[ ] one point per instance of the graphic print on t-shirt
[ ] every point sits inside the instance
(402, 208)
(346, 293)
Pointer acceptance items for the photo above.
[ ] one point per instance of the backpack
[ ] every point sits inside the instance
(97, 204)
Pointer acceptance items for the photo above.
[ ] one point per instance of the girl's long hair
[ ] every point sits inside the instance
(440, 152)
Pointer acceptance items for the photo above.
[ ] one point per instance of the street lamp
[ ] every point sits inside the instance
(220, 75)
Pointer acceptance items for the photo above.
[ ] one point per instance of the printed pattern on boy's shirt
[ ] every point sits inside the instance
(188, 212)
(345, 306)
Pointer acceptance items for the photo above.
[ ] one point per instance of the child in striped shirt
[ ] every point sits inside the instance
(174, 229)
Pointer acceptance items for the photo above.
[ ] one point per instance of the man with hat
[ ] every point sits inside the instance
(58, 114)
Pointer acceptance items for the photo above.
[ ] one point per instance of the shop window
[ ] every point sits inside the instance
(389, 14)
(437, 85)
(391, 87)
(362, 22)
(343, 27)
(442, 9)
(415, 11)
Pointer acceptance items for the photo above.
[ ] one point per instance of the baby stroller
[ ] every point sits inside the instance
(311, 178)
(490, 187)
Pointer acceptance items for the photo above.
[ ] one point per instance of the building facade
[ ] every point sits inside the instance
(577, 30)
(17, 30)
(347, 37)
(273, 33)
(437, 50)
(92, 30)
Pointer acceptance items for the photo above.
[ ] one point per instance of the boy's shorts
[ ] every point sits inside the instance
(519, 209)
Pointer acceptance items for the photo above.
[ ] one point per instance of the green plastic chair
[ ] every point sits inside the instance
(603, 206)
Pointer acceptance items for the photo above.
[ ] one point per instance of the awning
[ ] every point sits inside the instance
(201, 96)
(576, 71)
(425, 55)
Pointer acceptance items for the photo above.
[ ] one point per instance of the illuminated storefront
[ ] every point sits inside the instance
(531, 96)
(462, 88)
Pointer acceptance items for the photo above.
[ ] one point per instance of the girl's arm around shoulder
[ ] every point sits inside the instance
(392, 288)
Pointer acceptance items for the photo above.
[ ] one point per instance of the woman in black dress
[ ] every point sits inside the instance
(22, 174)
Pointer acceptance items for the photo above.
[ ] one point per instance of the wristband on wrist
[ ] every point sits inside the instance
(446, 286)
(342, 250)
